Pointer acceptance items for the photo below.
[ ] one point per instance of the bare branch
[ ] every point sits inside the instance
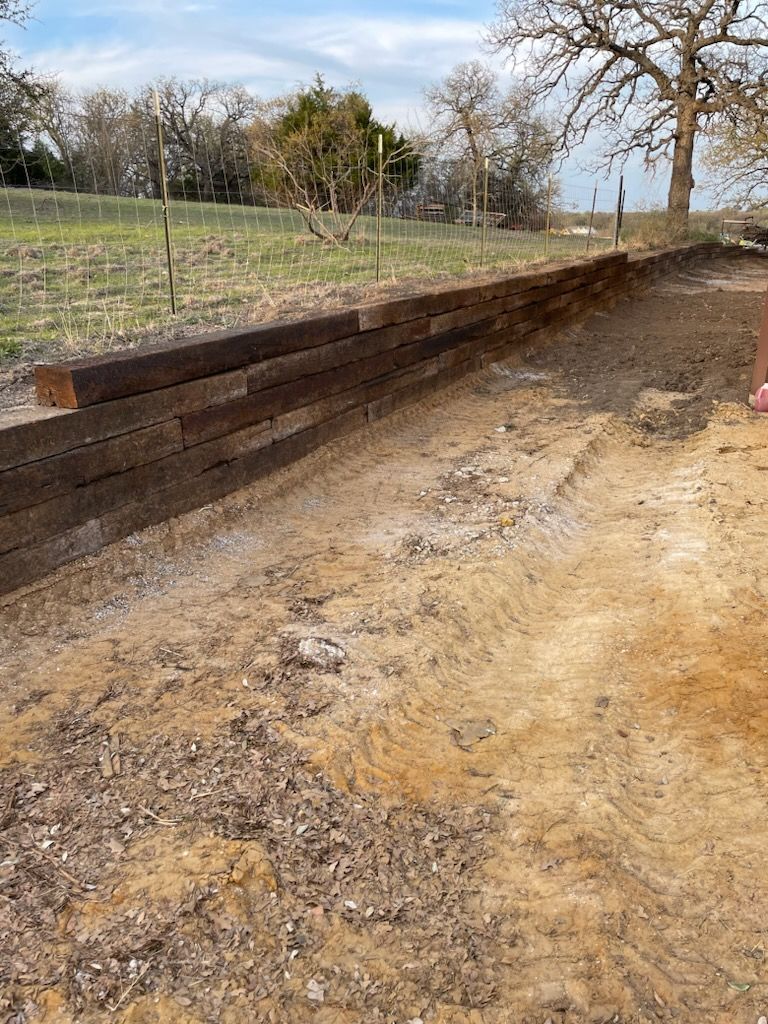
(650, 75)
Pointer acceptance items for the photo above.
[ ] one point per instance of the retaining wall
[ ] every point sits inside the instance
(126, 440)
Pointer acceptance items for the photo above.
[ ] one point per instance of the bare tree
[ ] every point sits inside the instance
(94, 134)
(204, 126)
(736, 160)
(54, 115)
(651, 74)
(106, 138)
(315, 150)
(470, 115)
(472, 118)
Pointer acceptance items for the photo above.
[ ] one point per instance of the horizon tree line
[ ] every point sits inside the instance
(654, 77)
(314, 149)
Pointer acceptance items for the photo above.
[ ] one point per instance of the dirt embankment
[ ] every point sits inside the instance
(462, 720)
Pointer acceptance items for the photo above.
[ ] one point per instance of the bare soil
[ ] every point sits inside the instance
(461, 719)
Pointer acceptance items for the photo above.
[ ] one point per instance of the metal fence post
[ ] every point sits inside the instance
(379, 205)
(484, 232)
(591, 218)
(164, 198)
(617, 227)
(549, 216)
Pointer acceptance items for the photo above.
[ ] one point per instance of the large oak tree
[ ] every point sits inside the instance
(650, 75)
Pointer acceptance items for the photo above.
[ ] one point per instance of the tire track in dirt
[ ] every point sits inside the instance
(686, 545)
(642, 564)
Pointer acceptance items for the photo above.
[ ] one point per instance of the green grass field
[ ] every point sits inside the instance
(83, 271)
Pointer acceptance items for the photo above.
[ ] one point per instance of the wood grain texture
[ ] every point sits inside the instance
(28, 437)
(39, 481)
(84, 382)
(41, 521)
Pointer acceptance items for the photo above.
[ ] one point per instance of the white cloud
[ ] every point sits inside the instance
(394, 59)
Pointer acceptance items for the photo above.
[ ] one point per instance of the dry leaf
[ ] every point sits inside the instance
(466, 734)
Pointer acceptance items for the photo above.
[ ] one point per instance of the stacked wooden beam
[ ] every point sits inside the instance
(139, 436)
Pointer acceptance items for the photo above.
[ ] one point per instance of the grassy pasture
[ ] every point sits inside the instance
(84, 271)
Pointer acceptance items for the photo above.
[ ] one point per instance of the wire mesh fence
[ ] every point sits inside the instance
(83, 254)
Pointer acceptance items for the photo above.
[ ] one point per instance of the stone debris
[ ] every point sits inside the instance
(317, 652)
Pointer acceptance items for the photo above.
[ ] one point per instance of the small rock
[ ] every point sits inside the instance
(315, 992)
(602, 702)
(254, 870)
(323, 654)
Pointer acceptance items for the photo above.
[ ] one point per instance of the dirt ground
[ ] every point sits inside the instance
(461, 720)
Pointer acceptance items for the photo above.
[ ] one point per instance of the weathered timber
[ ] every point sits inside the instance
(200, 426)
(38, 522)
(399, 310)
(27, 438)
(221, 479)
(83, 382)
(36, 482)
(284, 369)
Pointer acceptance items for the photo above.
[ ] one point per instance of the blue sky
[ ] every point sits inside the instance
(392, 49)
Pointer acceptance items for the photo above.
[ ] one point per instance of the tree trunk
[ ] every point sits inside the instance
(341, 235)
(681, 182)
